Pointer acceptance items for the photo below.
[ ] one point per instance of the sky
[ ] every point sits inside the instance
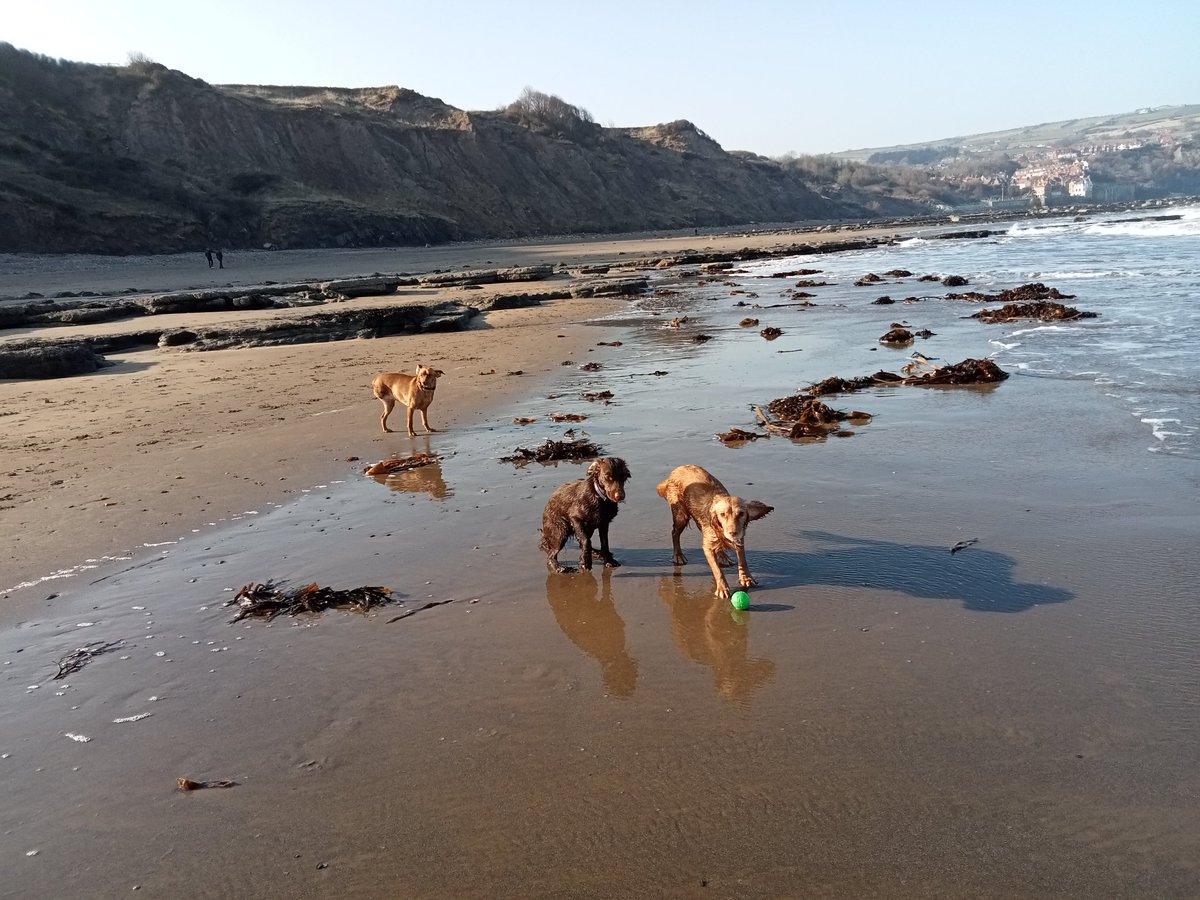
(769, 76)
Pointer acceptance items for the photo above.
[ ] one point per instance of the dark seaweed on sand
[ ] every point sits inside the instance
(969, 371)
(267, 600)
(77, 659)
(1041, 310)
(807, 417)
(552, 450)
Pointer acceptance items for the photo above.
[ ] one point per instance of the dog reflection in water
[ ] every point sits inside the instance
(585, 612)
(713, 635)
(424, 480)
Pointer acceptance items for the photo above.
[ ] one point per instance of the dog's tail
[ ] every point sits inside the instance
(662, 489)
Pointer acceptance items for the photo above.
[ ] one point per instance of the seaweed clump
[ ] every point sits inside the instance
(268, 600)
(807, 417)
(1025, 293)
(969, 371)
(1042, 310)
(552, 450)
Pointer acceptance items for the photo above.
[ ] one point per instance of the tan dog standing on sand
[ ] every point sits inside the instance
(697, 496)
(414, 391)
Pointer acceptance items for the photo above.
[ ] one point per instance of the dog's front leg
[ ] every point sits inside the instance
(425, 422)
(609, 562)
(679, 521)
(408, 411)
(721, 585)
(745, 579)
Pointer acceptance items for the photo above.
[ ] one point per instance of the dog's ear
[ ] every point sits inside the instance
(757, 509)
(594, 469)
(620, 470)
(715, 509)
(438, 372)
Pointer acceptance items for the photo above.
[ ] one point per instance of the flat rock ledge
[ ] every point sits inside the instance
(86, 308)
(55, 358)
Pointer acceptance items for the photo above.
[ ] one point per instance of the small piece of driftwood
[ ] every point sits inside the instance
(401, 463)
(186, 784)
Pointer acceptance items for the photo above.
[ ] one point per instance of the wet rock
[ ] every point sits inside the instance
(897, 336)
(37, 358)
(964, 235)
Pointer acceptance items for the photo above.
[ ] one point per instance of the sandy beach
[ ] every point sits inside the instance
(888, 719)
(98, 472)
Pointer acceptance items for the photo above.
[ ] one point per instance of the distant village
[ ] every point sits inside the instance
(1050, 176)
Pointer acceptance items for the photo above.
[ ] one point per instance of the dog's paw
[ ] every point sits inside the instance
(747, 580)
(723, 558)
(722, 592)
(611, 563)
(679, 559)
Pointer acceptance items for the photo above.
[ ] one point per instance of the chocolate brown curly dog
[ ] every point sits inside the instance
(581, 507)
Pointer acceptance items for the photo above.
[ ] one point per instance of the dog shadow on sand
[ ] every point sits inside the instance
(980, 579)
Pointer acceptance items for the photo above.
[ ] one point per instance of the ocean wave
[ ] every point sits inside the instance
(1082, 275)
(1041, 229)
(1035, 330)
(1173, 228)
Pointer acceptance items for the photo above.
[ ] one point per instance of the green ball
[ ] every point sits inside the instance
(740, 600)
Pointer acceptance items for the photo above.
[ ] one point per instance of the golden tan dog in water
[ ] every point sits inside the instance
(697, 496)
(414, 391)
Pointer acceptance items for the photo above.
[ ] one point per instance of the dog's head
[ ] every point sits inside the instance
(731, 515)
(609, 474)
(427, 377)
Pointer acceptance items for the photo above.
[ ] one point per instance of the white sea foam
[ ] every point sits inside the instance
(1174, 228)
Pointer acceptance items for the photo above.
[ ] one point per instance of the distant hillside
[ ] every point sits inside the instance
(141, 158)
(1179, 122)
(1151, 154)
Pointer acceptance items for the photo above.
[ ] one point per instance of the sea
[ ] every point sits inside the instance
(1139, 272)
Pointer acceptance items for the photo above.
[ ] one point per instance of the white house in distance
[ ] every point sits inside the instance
(1080, 186)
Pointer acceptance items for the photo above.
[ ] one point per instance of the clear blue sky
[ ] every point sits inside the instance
(809, 76)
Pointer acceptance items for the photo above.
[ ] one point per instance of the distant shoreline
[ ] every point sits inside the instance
(23, 274)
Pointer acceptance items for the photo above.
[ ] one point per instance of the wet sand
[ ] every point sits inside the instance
(889, 719)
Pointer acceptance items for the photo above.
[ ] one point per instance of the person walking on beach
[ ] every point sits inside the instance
(208, 256)
(220, 259)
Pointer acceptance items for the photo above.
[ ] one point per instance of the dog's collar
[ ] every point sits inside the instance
(600, 491)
